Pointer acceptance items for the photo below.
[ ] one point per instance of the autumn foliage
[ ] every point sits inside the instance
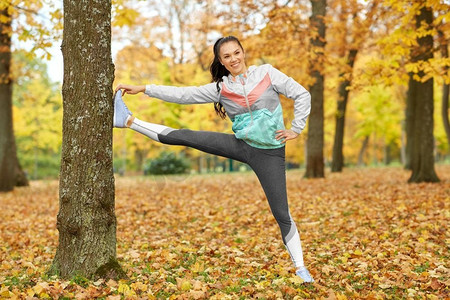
(366, 234)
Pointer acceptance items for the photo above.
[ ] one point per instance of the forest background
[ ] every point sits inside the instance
(170, 42)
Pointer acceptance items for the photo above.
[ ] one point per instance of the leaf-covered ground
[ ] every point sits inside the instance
(366, 233)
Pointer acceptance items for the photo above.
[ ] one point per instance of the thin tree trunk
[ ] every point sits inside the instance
(11, 173)
(338, 156)
(315, 143)
(139, 156)
(387, 154)
(421, 101)
(409, 120)
(230, 165)
(445, 87)
(403, 145)
(362, 151)
(86, 219)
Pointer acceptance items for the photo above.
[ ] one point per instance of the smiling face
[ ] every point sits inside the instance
(233, 58)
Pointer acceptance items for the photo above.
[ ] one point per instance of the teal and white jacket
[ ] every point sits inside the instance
(251, 101)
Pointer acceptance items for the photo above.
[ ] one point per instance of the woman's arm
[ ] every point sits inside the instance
(290, 88)
(183, 95)
(130, 89)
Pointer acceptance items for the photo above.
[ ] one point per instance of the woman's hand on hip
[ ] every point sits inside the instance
(285, 135)
(130, 89)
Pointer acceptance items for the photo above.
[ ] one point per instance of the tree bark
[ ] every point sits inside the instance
(11, 174)
(338, 156)
(422, 106)
(86, 220)
(315, 143)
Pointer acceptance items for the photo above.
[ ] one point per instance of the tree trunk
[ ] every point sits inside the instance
(6, 129)
(315, 143)
(86, 219)
(422, 106)
(446, 87)
(139, 156)
(230, 165)
(409, 120)
(338, 157)
(20, 178)
(11, 174)
(362, 151)
(387, 154)
(403, 145)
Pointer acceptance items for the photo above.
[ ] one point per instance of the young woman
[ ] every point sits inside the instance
(250, 98)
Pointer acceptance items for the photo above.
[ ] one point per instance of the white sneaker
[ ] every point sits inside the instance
(303, 273)
(121, 111)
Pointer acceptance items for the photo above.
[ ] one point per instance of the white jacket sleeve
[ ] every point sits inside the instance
(287, 86)
(184, 95)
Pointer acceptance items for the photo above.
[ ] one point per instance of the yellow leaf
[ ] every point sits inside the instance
(5, 293)
(30, 292)
(44, 295)
(296, 280)
(139, 286)
(123, 288)
(198, 267)
(401, 207)
(358, 252)
(38, 289)
(341, 297)
(239, 260)
(185, 286)
(278, 281)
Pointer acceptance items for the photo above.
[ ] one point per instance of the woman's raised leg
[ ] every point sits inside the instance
(226, 145)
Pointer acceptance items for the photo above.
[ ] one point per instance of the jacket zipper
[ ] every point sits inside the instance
(241, 77)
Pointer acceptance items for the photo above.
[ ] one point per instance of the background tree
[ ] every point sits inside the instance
(11, 173)
(315, 143)
(420, 105)
(351, 28)
(86, 219)
(7, 144)
(17, 17)
(443, 43)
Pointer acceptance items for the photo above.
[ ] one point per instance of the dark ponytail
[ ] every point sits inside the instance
(218, 70)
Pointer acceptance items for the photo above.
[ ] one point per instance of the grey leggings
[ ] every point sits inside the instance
(268, 164)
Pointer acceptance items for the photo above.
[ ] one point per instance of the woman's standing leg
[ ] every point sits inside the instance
(269, 166)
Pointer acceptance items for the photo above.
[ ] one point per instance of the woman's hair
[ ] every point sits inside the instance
(218, 70)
